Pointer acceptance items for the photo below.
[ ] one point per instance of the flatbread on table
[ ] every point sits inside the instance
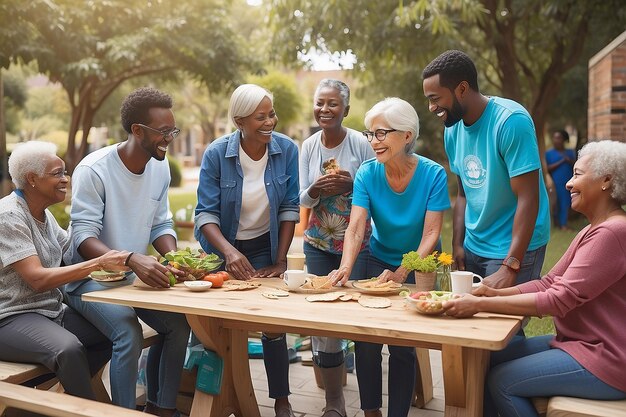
(329, 296)
(274, 293)
(373, 287)
(374, 302)
(236, 285)
(314, 285)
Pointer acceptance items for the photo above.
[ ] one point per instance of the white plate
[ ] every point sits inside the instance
(109, 276)
(198, 285)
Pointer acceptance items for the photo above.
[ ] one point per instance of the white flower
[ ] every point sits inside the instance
(318, 243)
(332, 226)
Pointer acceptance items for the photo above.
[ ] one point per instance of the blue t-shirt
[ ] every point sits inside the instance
(561, 174)
(398, 218)
(500, 145)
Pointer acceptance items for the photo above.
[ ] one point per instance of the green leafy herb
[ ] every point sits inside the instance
(195, 259)
(411, 261)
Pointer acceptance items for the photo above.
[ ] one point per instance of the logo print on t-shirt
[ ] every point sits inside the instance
(474, 172)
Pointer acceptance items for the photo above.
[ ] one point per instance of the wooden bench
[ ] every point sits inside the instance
(56, 404)
(35, 375)
(578, 407)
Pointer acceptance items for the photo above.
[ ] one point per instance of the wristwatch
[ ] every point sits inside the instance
(513, 263)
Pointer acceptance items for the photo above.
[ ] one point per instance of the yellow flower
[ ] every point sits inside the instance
(445, 259)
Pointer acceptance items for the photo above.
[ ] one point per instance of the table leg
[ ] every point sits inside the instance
(464, 372)
(237, 393)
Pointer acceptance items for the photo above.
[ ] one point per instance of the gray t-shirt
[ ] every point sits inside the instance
(21, 236)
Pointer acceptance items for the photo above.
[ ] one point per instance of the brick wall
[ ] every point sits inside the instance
(607, 92)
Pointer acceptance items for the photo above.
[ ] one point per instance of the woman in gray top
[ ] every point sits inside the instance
(35, 325)
(328, 163)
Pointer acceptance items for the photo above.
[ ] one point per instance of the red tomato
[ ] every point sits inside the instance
(214, 279)
(225, 276)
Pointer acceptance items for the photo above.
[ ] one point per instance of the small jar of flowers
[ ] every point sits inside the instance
(426, 268)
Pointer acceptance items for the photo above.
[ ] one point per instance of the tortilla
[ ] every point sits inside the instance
(274, 293)
(347, 297)
(317, 283)
(374, 302)
(329, 296)
(236, 285)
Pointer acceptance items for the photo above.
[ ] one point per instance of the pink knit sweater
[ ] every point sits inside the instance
(586, 294)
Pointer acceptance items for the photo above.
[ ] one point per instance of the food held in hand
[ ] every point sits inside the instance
(172, 278)
(104, 276)
(330, 166)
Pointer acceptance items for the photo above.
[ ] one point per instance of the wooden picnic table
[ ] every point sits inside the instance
(221, 321)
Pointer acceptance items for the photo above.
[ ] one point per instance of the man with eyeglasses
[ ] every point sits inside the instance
(501, 218)
(119, 201)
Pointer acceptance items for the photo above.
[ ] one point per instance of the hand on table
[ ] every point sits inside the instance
(271, 271)
(339, 277)
(502, 278)
(398, 276)
(238, 265)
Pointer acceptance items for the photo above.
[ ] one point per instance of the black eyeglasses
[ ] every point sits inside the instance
(171, 134)
(380, 134)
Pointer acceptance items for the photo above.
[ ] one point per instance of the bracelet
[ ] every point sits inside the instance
(128, 258)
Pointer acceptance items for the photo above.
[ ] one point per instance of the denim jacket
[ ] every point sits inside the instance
(221, 183)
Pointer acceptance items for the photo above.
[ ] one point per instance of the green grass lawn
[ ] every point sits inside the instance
(559, 242)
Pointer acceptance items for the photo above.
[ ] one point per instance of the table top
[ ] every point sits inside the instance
(250, 310)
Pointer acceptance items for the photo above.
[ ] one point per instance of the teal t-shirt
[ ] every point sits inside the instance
(398, 218)
(502, 144)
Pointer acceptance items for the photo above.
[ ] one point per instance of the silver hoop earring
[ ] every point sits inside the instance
(603, 188)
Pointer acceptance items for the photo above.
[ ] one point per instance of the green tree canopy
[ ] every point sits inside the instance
(522, 48)
(287, 102)
(91, 48)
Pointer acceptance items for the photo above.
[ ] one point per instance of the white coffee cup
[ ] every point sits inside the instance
(463, 281)
(294, 278)
(295, 261)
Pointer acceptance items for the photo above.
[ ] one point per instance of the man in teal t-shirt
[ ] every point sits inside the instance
(501, 216)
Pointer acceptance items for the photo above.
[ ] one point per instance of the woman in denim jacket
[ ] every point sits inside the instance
(248, 208)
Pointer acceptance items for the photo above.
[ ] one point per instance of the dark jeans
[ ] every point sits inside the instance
(73, 352)
(402, 365)
(328, 351)
(275, 355)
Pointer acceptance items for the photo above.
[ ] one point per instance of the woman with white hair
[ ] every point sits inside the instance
(35, 325)
(328, 192)
(584, 292)
(405, 195)
(248, 208)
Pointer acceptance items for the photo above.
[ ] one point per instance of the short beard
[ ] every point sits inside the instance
(455, 114)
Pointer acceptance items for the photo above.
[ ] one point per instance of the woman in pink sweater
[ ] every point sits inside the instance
(585, 294)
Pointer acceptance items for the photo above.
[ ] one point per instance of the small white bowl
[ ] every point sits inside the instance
(198, 285)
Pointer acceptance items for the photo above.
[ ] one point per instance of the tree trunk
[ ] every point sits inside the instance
(4, 168)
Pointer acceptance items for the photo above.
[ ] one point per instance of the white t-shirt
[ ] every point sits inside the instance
(254, 219)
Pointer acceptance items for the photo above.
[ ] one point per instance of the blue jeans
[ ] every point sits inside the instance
(328, 351)
(530, 268)
(402, 366)
(531, 368)
(119, 324)
(275, 355)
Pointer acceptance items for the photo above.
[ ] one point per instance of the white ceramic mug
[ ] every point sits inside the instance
(463, 281)
(295, 261)
(294, 278)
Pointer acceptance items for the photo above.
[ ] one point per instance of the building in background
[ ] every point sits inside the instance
(607, 92)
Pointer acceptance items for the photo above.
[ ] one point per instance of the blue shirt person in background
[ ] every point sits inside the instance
(248, 206)
(501, 221)
(405, 196)
(561, 167)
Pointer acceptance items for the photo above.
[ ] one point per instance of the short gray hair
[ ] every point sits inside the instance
(245, 99)
(608, 157)
(29, 157)
(399, 114)
(344, 90)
